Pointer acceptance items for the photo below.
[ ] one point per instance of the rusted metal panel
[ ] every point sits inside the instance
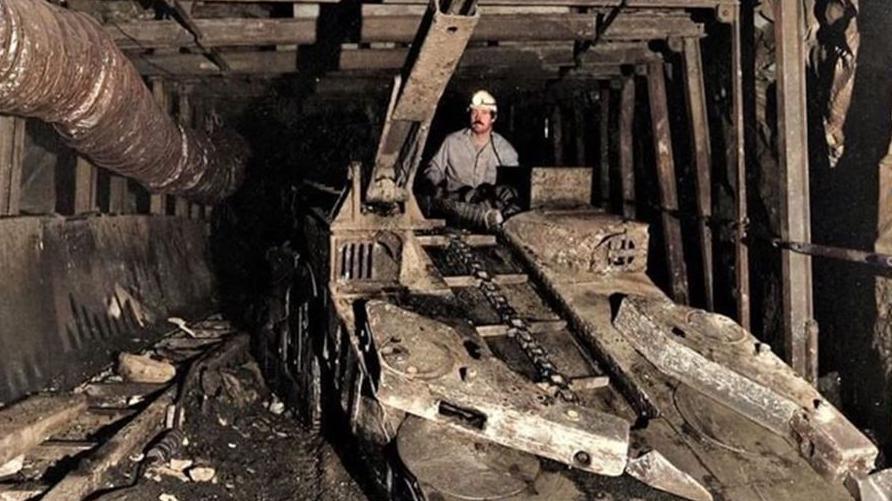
(720, 359)
(89, 287)
(428, 372)
(793, 149)
(667, 181)
(113, 121)
(697, 115)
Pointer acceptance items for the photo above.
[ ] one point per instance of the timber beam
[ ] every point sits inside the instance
(235, 32)
(602, 61)
(399, 23)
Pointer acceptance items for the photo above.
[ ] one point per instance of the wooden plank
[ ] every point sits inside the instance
(472, 281)
(12, 146)
(181, 207)
(702, 152)
(87, 478)
(30, 422)
(260, 62)
(86, 177)
(589, 383)
(667, 180)
(106, 390)
(386, 23)
(738, 158)
(57, 449)
(540, 327)
(627, 145)
(158, 201)
(798, 308)
(474, 240)
(117, 195)
(227, 32)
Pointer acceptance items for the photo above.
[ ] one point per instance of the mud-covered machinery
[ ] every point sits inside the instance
(537, 361)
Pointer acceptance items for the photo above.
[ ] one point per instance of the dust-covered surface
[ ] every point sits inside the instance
(240, 433)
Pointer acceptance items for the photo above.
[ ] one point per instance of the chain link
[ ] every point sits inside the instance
(460, 252)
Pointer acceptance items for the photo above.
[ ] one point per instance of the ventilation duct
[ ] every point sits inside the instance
(60, 66)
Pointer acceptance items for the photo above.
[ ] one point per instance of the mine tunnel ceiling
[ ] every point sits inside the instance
(367, 44)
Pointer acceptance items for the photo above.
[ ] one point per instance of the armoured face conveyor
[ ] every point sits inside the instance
(536, 360)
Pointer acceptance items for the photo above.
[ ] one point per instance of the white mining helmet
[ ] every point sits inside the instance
(483, 100)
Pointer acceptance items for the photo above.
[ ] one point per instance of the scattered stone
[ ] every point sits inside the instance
(143, 369)
(202, 473)
(12, 467)
(276, 406)
(180, 464)
(170, 472)
(167, 497)
(179, 322)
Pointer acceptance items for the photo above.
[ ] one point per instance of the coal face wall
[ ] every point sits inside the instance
(75, 292)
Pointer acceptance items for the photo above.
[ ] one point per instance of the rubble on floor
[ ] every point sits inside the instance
(189, 418)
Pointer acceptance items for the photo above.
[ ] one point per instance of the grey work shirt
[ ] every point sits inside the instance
(460, 163)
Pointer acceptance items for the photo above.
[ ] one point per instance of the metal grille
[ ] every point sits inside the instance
(355, 260)
(621, 251)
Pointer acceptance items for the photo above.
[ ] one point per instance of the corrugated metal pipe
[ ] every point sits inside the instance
(60, 66)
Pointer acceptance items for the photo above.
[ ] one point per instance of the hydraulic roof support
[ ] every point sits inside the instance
(439, 45)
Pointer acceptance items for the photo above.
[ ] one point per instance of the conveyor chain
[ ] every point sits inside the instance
(518, 328)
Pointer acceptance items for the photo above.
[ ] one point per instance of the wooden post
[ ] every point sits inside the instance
(626, 142)
(158, 201)
(117, 194)
(12, 149)
(86, 177)
(793, 149)
(579, 133)
(557, 134)
(659, 113)
(702, 153)
(604, 149)
(181, 207)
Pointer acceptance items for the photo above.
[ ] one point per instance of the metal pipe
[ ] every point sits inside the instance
(60, 66)
(841, 253)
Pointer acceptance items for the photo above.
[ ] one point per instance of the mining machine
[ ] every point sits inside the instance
(535, 360)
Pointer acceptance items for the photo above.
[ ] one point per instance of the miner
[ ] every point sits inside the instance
(465, 169)
(469, 158)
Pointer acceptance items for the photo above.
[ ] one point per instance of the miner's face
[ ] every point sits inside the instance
(481, 120)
